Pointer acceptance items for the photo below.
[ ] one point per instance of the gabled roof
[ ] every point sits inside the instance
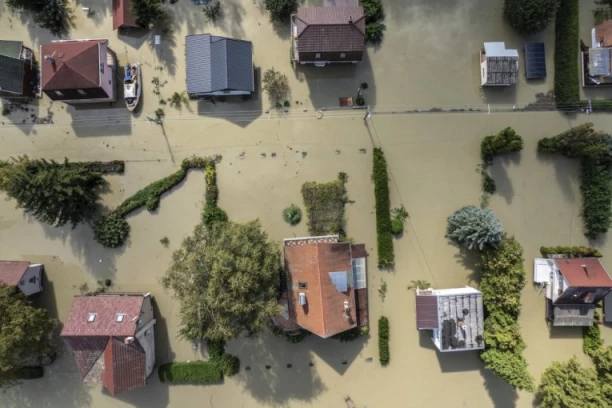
(124, 366)
(584, 272)
(319, 266)
(76, 65)
(603, 33)
(122, 16)
(11, 272)
(217, 63)
(330, 29)
(106, 307)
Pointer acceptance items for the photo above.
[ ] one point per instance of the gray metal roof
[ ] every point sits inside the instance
(462, 321)
(573, 315)
(599, 61)
(11, 48)
(11, 74)
(218, 64)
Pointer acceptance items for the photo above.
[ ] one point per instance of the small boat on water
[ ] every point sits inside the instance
(132, 86)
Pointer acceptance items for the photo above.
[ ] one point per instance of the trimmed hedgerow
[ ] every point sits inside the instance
(591, 338)
(384, 236)
(383, 340)
(575, 251)
(567, 77)
(596, 187)
(193, 372)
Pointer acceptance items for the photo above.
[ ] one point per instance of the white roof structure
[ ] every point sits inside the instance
(498, 49)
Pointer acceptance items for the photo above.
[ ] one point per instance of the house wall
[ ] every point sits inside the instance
(145, 333)
(31, 281)
(74, 96)
(575, 295)
(106, 78)
(146, 313)
(483, 73)
(310, 57)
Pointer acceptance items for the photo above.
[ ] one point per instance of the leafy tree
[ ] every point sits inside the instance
(292, 214)
(227, 278)
(569, 385)
(510, 366)
(503, 333)
(212, 11)
(530, 16)
(375, 32)
(475, 228)
(275, 84)
(146, 12)
(25, 333)
(602, 359)
(373, 10)
(111, 230)
(505, 141)
(54, 15)
(281, 10)
(580, 141)
(54, 193)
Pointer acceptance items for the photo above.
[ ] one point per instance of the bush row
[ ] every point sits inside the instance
(383, 340)
(384, 236)
(193, 372)
(212, 213)
(575, 251)
(374, 16)
(596, 188)
(502, 280)
(114, 166)
(567, 88)
(591, 338)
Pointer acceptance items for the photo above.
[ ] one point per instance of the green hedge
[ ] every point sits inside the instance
(575, 251)
(596, 187)
(383, 340)
(194, 372)
(592, 340)
(384, 236)
(567, 73)
(505, 141)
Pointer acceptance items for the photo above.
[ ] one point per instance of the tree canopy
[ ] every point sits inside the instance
(530, 16)
(53, 193)
(146, 12)
(275, 84)
(25, 333)
(281, 10)
(475, 228)
(54, 15)
(569, 385)
(227, 278)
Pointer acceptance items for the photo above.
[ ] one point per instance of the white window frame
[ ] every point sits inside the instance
(59, 93)
(317, 55)
(343, 55)
(82, 92)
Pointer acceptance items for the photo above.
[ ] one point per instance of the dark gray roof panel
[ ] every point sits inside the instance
(217, 63)
(11, 48)
(535, 60)
(11, 74)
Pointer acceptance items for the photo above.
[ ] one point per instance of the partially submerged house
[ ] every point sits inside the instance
(573, 287)
(326, 289)
(17, 75)
(78, 71)
(455, 317)
(324, 35)
(25, 276)
(595, 61)
(122, 15)
(219, 66)
(112, 338)
(499, 66)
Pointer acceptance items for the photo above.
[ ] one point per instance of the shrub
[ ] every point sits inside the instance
(591, 339)
(510, 366)
(212, 195)
(194, 372)
(567, 88)
(581, 141)
(384, 237)
(577, 251)
(530, 16)
(359, 101)
(213, 214)
(383, 340)
(503, 333)
(352, 334)
(111, 230)
(215, 348)
(292, 215)
(276, 85)
(151, 194)
(375, 32)
(373, 10)
(475, 228)
(212, 11)
(488, 183)
(505, 141)
(228, 364)
(398, 220)
(596, 188)
(281, 10)
(146, 12)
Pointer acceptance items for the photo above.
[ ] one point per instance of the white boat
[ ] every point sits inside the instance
(132, 86)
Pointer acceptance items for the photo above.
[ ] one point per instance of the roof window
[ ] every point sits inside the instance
(91, 317)
(120, 317)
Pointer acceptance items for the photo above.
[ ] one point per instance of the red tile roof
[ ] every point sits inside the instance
(311, 263)
(584, 272)
(106, 307)
(330, 29)
(11, 272)
(122, 16)
(124, 366)
(76, 65)
(603, 33)
(427, 312)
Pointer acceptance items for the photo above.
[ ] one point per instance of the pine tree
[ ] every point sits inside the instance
(475, 228)
(53, 193)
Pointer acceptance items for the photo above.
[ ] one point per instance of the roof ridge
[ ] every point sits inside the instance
(320, 287)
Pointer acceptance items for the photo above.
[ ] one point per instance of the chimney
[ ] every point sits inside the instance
(128, 340)
(585, 270)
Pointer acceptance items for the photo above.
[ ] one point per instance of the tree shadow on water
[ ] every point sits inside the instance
(499, 172)
(275, 371)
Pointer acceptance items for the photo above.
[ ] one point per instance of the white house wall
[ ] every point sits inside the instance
(33, 272)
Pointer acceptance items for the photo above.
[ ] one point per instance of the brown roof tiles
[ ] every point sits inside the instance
(427, 312)
(584, 272)
(76, 65)
(603, 33)
(122, 16)
(11, 272)
(311, 264)
(331, 29)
